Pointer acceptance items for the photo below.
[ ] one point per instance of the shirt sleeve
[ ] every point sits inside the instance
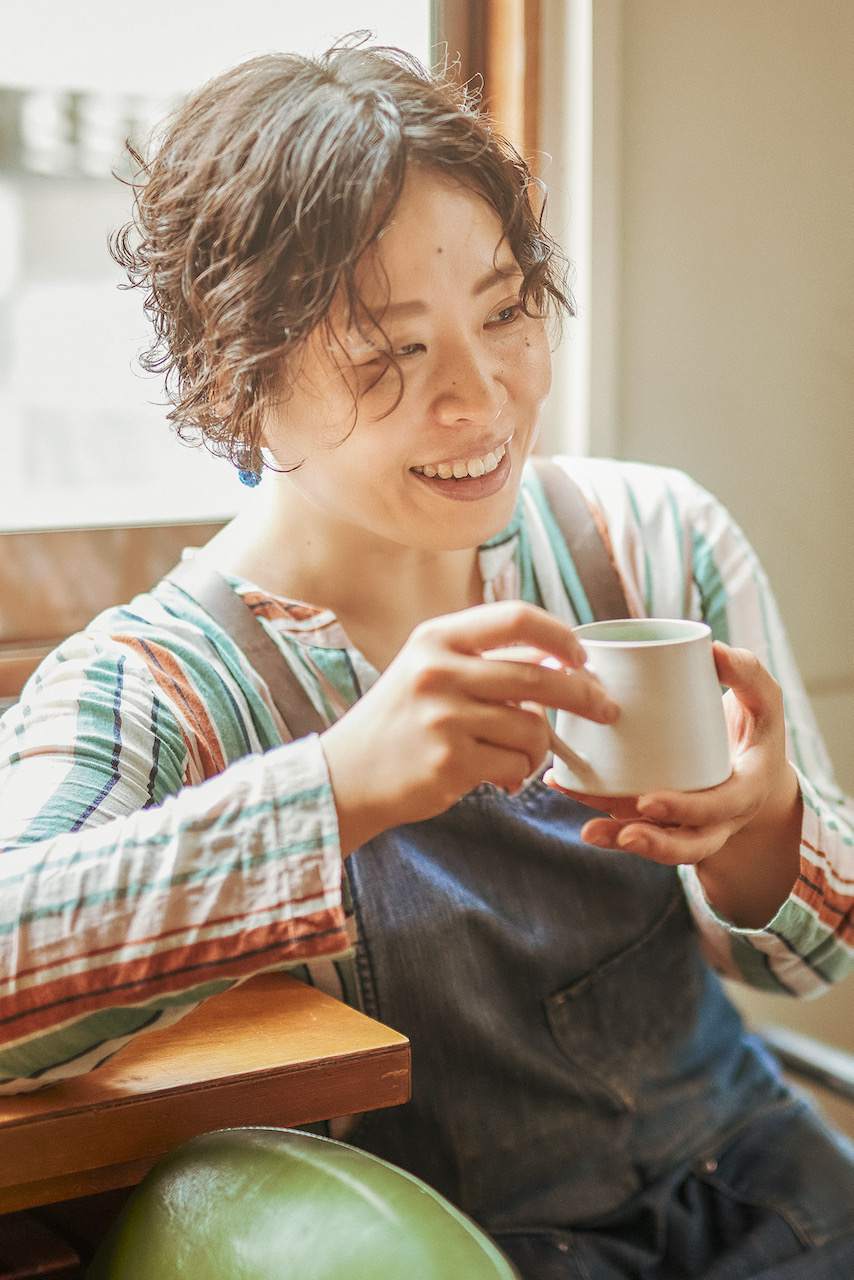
(129, 895)
(680, 553)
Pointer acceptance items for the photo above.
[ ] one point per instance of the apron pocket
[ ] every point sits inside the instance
(620, 1023)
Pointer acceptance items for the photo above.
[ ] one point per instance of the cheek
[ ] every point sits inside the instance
(536, 365)
(311, 413)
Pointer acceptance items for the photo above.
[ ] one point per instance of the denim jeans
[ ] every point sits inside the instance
(744, 1216)
(582, 1086)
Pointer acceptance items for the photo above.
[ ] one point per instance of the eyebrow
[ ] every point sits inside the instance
(405, 310)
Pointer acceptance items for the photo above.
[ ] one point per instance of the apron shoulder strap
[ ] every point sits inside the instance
(585, 544)
(222, 603)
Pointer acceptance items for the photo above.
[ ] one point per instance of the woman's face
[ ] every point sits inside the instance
(440, 469)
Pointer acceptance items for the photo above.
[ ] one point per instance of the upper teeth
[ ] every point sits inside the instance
(464, 466)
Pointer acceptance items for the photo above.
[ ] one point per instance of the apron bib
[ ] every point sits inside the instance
(569, 1043)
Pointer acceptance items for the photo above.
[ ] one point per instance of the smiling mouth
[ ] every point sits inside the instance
(462, 468)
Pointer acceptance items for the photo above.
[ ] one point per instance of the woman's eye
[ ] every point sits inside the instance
(384, 358)
(506, 315)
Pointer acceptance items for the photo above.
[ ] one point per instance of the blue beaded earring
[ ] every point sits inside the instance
(250, 467)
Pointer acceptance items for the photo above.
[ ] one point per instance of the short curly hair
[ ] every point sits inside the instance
(270, 183)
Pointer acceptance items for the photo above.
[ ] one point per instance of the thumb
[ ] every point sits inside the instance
(745, 675)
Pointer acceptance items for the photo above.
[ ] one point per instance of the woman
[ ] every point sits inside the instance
(350, 289)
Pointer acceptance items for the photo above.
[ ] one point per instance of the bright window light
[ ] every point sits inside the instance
(83, 433)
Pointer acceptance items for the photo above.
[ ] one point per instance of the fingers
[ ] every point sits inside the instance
(671, 846)
(496, 632)
(501, 766)
(510, 681)
(491, 626)
(517, 730)
(517, 653)
(672, 828)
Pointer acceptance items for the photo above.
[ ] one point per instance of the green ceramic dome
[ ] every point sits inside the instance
(271, 1204)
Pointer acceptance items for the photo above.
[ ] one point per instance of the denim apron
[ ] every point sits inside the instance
(570, 1046)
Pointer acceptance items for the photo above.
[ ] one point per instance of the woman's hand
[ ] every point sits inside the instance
(443, 717)
(744, 835)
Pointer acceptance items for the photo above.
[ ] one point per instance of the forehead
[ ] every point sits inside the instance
(441, 234)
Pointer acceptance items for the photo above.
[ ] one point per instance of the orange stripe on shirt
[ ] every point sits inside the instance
(139, 982)
(308, 624)
(275, 608)
(172, 679)
(820, 853)
(288, 904)
(830, 906)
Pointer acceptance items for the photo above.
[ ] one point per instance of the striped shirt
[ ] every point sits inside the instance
(162, 839)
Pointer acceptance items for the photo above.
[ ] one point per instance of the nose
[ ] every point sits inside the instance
(470, 388)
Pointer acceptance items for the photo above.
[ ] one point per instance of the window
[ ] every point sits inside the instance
(83, 432)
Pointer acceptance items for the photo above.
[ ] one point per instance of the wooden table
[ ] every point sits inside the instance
(270, 1051)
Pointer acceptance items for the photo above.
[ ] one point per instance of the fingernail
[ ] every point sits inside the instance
(652, 809)
(578, 661)
(611, 711)
(633, 844)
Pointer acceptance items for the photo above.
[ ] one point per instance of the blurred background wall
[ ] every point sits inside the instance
(737, 327)
(715, 278)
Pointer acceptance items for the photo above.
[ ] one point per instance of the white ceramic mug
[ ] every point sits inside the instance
(671, 732)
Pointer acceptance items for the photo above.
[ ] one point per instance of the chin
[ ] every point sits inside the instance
(481, 525)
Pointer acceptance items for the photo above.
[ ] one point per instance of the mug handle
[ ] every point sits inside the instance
(582, 768)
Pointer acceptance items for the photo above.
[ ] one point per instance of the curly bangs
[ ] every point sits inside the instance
(270, 183)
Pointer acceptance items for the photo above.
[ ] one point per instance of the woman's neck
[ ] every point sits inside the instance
(378, 590)
(393, 595)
